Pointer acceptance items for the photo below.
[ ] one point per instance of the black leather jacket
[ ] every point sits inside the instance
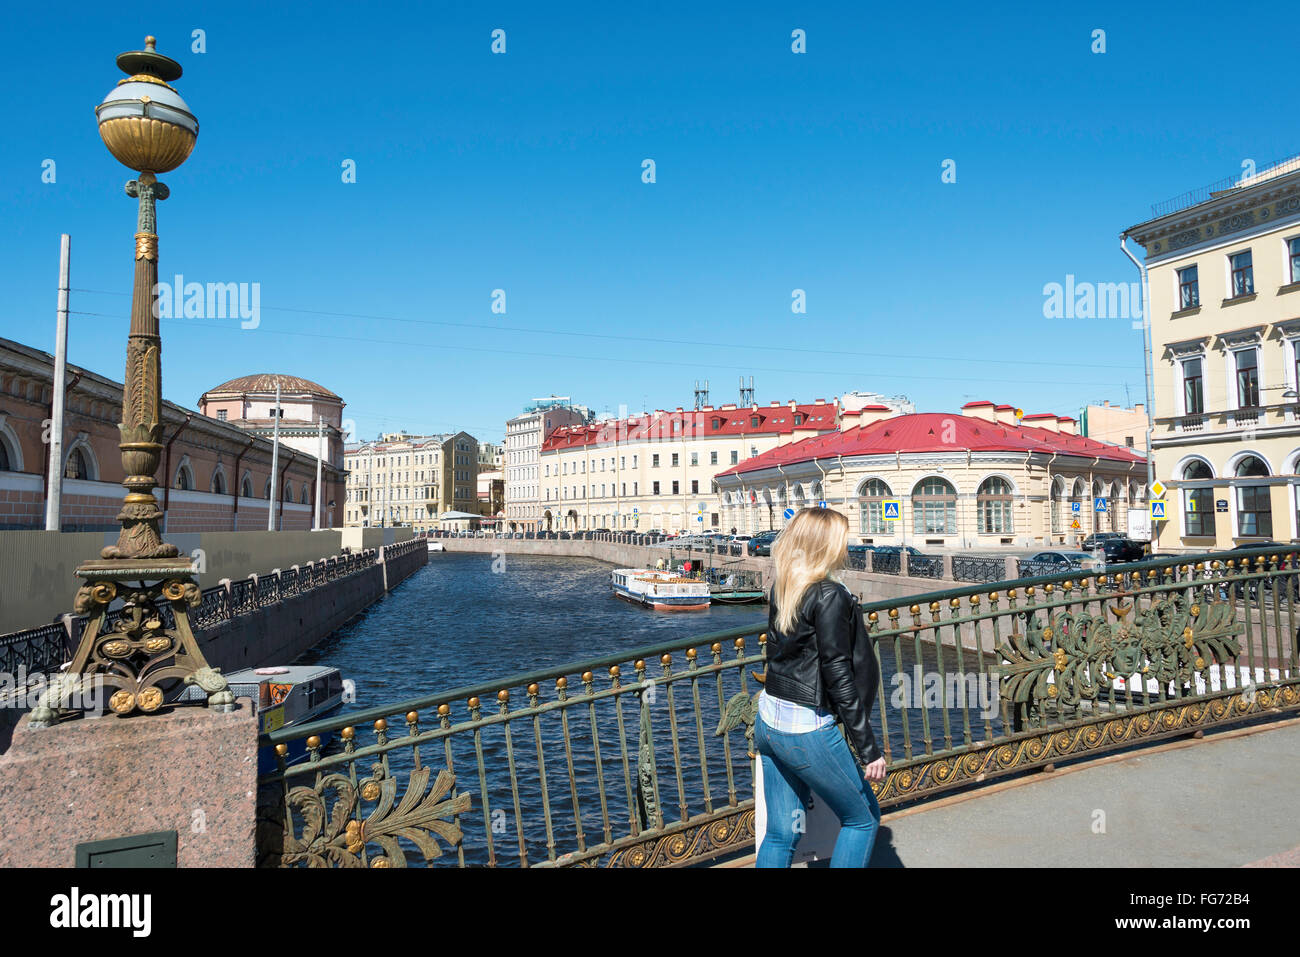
(826, 661)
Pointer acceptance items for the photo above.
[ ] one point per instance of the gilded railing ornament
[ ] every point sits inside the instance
(1062, 660)
(335, 834)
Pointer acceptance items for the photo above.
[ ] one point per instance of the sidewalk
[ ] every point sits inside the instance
(1227, 800)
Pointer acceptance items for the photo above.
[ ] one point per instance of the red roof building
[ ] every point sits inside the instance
(985, 477)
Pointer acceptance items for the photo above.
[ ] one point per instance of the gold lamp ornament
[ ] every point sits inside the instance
(144, 122)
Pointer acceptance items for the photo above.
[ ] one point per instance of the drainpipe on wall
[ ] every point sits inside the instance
(167, 468)
(235, 511)
(1149, 358)
(283, 472)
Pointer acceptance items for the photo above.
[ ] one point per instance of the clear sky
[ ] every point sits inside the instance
(522, 171)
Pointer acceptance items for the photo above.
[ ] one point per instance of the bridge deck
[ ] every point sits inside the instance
(1227, 800)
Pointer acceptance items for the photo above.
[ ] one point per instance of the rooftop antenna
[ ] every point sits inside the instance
(701, 395)
(746, 394)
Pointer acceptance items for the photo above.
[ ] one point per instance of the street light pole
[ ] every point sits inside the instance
(54, 483)
(148, 127)
(275, 462)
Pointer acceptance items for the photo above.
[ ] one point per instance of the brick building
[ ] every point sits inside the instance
(214, 476)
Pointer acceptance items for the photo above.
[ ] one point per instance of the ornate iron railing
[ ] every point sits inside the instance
(637, 759)
(43, 649)
(886, 563)
(978, 569)
(925, 566)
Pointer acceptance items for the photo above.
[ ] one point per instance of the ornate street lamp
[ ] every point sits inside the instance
(148, 127)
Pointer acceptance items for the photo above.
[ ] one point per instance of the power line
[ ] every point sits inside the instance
(479, 327)
(582, 358)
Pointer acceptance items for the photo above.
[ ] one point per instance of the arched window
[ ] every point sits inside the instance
(993, 507)
(4, 458)
(218, 483)
(1198, 503)
(288, 492)
(934, 508)
(246, 487)
(1254, 511)
(306, 495)
(1056, 493)
(183, 480)
(77, 467)
(870, 495)
(266, 492)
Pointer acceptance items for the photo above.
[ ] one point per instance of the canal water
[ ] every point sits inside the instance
(469, 618)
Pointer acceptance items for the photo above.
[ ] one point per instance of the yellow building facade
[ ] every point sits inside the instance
(1223, 277)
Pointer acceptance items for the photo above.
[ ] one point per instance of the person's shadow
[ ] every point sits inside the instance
(883, 854)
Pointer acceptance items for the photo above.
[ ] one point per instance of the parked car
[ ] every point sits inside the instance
(761, 544)
(1057, 561)
(1116, 547)
(896, 550)
(1285, 553)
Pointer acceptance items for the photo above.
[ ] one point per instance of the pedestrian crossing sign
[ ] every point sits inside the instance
(1099, 504)
(890, 508)
(1158, 509)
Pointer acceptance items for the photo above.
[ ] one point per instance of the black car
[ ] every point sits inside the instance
(1116, 547)
(1286, 554)
(761, 544)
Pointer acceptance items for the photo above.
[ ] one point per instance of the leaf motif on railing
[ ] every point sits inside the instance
(646, 771)
(1169, 641)
(333, 835)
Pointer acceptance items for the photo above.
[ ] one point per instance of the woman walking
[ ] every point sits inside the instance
(820, 666)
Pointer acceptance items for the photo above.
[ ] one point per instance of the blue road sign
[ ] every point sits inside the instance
(1099, 504)
(789, 513)
(1075, 506)
(821, 504)
(889, 509)
(1158, 509)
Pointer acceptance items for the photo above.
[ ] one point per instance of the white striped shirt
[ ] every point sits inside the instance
(790, 718)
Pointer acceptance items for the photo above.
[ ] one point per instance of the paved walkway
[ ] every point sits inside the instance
(1228, 800)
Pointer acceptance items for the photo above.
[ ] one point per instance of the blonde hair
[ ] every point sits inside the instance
(813, 545)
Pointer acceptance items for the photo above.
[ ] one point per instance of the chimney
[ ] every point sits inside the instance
(871, 414)
(1042, 420)
(1067, 425)
(1005, 414)
(980, 410)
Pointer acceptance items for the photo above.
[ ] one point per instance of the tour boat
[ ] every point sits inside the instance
(662, 591)
(284, 696)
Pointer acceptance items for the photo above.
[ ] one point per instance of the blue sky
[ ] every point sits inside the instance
(775, 171)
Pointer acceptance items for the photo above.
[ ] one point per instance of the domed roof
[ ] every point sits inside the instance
(265, 382)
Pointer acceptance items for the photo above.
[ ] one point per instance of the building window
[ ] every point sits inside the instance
(735, 456)
(993, 507)
(1254, 513)
(1193, 387)
(713, 458)
(221, 414)
(1247, 379)
(695, 487)
(934, 508)
(869, 498)
(655, 487)
(676, 488)
(798, 418)
(1243, 274)
(753, 422)
(1198, 503)
(76, 467)
(695, 458)
(654, 461)
(1293, 256)
(676, 460)
(1189, 294)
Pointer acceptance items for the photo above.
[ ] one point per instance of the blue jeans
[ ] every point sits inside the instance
(820, 761)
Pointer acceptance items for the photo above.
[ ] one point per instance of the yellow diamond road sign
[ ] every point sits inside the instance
(1157, 489)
